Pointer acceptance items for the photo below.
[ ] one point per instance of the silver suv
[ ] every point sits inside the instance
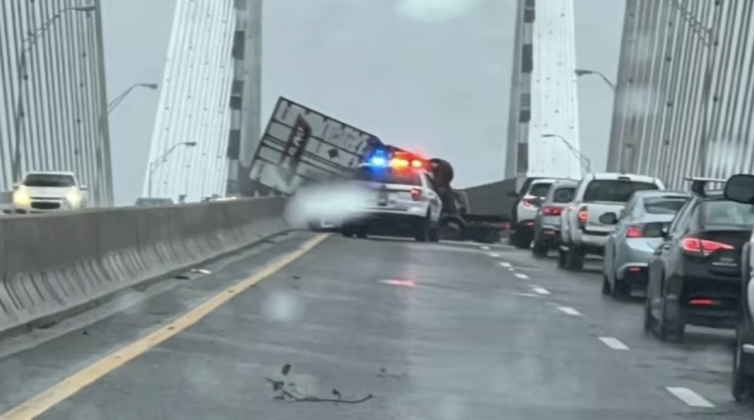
(547, 220)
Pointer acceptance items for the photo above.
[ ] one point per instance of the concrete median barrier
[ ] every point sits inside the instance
(52, 265)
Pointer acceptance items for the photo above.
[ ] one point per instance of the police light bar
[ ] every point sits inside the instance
(699, 184)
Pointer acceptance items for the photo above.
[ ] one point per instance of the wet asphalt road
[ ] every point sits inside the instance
(432, 331)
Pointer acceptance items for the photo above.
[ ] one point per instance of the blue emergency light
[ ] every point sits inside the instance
(378, 161)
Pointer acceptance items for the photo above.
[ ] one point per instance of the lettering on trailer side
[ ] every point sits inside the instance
(302, 144)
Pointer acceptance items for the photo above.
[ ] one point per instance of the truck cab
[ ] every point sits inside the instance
(47, 191)
(582, 232)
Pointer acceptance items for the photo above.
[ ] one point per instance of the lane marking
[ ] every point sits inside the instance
(69, 386)
(569, 311)
(613, 343)
(494, 254)
(521, 275)
(690, 397)
(485, 248)
(506, 264)
(540, 290)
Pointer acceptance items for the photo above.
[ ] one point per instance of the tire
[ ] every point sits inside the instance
(671, 326)
(561, 258)
(605, 286)
(649, 321)
(347, 231)
(361, 232)
(741, 386)
(539, 249)
(434, 234)
(422, 230)
(574, 261)
(520, 240)
(620, 290)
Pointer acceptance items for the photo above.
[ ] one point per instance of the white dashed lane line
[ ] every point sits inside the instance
(485, 248)
(506, 264)
(613, 343)
(569, 311)
(521, 275)
(541, 290)
(494, 254)
(690, 397)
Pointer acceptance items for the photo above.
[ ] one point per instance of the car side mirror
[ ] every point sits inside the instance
(608, 218)
(665, 232)
(740, 188)
(83, 188)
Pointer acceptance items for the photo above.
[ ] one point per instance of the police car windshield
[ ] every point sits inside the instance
(385, 176)
(723, 212)
(615, 190)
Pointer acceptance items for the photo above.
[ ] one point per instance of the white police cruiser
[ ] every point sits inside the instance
(401, 200)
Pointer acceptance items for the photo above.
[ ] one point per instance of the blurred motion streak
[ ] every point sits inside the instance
(685, 90)
(53, 111)
(333, 201)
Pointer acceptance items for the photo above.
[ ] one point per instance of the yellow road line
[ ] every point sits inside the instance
(69, 386)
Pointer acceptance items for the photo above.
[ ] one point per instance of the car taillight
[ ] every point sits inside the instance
(416, 194)
(527, 203)
(702, 247)
(583, 215)
(552, 211)
(634, 232)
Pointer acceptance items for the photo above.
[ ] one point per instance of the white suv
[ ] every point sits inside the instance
(399, 200)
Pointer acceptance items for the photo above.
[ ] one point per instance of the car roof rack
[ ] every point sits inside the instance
(699, 184)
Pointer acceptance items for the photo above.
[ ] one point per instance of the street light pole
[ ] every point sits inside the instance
(586, 163)
(118, 99)
(582, 72)
(162, 159)
(27, 43)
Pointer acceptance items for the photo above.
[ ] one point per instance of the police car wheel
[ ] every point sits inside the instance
(434, 234)
(422, 231)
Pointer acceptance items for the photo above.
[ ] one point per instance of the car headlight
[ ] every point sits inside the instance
(21, 197)
(73, 197)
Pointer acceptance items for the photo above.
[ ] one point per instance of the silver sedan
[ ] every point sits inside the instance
(638, 231)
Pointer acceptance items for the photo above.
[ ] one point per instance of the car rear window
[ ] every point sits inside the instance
(563, 195)
(403, 177)
(664, 205)
(723, 212)
(540, 189)
(615, 190)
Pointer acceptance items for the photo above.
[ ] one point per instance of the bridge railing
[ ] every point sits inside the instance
(56, 265)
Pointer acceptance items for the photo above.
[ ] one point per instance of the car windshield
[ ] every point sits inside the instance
(540, 189)
(615, 190)
(664, 205)
(564, 195)
(49, 180)
(385, 176)
(723, 212)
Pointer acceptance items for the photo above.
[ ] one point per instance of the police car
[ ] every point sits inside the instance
(401, 199)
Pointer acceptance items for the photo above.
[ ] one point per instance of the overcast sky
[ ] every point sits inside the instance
(431, 74)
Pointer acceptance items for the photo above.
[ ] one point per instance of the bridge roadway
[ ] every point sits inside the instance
(432, 331)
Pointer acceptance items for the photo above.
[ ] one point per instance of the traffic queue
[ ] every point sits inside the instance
(689, 252)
